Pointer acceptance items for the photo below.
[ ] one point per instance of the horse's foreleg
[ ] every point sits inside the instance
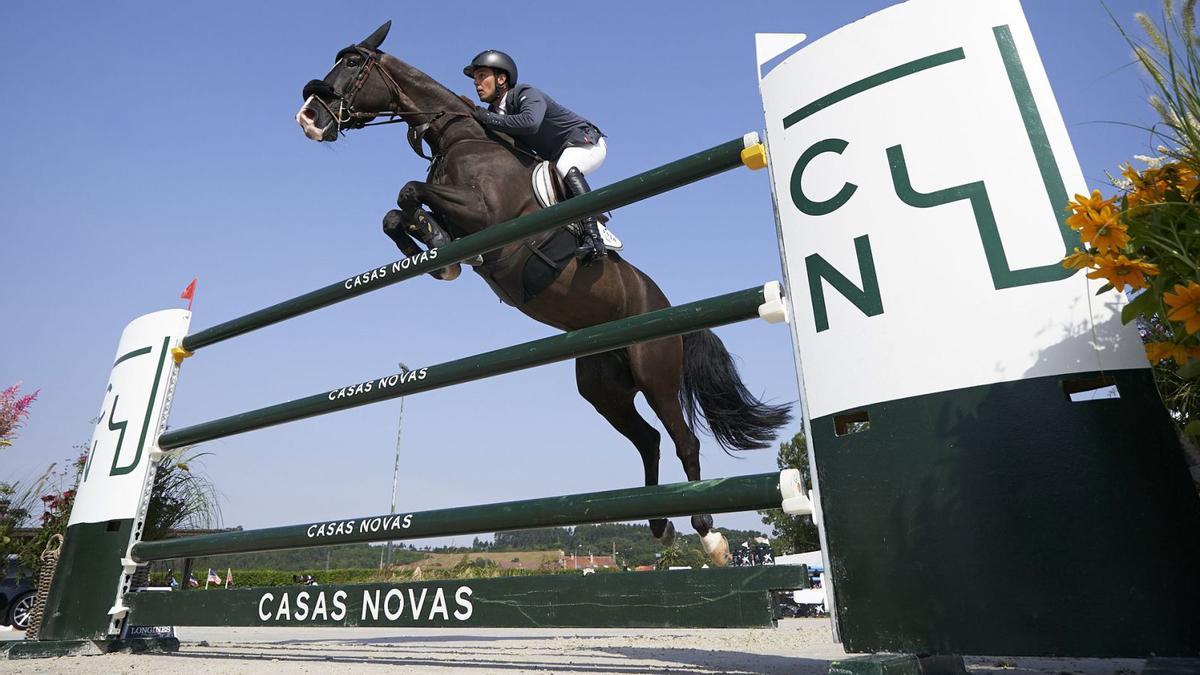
(401, 229)
(462, 208)
(394, 228)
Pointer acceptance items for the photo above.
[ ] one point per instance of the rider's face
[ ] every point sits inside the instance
(485, 84)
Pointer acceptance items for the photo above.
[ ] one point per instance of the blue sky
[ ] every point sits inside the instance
(149, 143)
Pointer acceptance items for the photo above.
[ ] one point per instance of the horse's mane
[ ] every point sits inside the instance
(441, 89)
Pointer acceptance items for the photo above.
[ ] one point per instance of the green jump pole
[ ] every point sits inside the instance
(721, 495)
(636, 188)
(717, 311)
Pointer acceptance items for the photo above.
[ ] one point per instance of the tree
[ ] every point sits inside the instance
(677, 555)
(792, 534)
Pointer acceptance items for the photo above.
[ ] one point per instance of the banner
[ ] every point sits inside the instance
(921, 170)
(131, 415)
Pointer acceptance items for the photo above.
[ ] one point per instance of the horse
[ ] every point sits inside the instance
(476, 179)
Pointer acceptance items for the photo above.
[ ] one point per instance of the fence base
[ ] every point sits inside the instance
(737, 597)
(46, 649)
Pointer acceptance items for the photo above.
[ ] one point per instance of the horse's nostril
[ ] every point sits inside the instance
(309, 114)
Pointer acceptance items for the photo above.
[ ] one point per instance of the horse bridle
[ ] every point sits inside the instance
(346, 117)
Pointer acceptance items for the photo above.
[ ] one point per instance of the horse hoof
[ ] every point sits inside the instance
(448, 273)
(668, 536)
(717, 548)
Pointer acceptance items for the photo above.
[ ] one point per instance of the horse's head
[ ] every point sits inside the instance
(352, 94)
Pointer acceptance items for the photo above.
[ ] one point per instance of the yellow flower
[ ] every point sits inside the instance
(1085, 209)
(1076, 221)
(1136, 180)
(1184, 302)
(1147, 187)
(1078, 260)
(1093, 203)
(1188, 181)
(1121, 271)
(1161, 351)
(1105, 232)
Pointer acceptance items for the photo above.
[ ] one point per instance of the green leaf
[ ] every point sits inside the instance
(1141, 305)
(1104, 289)
(1192, 428)
(1190, 370)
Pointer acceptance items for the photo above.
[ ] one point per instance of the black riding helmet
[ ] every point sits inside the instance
(496, 60)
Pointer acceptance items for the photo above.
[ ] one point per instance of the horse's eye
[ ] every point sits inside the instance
(354, 61)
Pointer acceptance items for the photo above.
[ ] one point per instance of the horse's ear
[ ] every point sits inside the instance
(375, 39)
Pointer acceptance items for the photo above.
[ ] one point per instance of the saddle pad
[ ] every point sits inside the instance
(545, 184)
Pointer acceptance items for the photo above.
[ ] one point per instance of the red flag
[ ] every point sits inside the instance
(189, 293)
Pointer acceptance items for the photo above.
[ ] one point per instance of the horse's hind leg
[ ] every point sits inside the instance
(657, 367)
(605, 382)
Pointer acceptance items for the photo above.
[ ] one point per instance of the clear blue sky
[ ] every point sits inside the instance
(148, 143)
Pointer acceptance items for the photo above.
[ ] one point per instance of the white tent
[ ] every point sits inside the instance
(806, 596)
(812, 559)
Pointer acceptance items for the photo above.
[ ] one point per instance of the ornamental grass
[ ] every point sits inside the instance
(1145, 239)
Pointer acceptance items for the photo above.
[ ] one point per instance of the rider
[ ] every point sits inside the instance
(541, 125)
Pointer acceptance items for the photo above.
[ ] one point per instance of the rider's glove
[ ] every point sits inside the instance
(480, 115)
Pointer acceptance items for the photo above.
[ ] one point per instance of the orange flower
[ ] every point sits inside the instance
(1147, 187)
(1161, 351)
(1095, 202)
(1188, 181)
(1136, 180)
(1184, 302)
(1078, 260)
(1121, 271)
(1104, 231)
(1092, 209)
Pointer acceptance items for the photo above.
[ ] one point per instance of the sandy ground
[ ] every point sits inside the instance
(796, 647)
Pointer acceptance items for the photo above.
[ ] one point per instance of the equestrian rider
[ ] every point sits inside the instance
(541, 125)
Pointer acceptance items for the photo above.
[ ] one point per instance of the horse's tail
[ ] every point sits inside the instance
(711, 385)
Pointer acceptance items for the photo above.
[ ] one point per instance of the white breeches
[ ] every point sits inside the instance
(586, 158)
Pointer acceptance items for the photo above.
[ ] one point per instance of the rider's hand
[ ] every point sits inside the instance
(480, 115)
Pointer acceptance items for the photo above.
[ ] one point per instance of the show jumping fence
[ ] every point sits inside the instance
(105, 529)
(720, 495)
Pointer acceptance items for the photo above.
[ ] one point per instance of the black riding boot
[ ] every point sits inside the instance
(591, 246)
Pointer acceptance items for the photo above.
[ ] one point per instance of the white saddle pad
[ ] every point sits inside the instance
(543, 189)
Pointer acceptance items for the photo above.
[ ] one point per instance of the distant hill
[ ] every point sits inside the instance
(525, 560)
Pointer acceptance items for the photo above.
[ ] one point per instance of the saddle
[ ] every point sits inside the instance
(549, 189)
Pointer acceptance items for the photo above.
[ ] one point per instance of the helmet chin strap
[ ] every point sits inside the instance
(501, 90)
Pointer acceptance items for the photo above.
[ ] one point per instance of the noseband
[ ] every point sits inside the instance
(345, 114)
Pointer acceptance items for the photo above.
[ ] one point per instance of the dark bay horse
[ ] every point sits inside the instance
(477, 180)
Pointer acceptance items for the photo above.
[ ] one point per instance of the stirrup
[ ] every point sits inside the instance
(589, 252)
(610, 240)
